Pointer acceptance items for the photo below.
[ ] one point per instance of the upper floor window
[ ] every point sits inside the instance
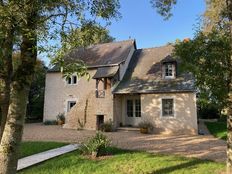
(72, 80)
(169, 70)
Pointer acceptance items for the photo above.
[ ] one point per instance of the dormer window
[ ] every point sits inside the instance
(72, 80)
(169, 70)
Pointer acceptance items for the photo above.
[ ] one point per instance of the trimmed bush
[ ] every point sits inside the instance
(95, 146)
(107, 126)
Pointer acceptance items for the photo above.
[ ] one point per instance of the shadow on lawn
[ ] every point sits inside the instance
(178, 167)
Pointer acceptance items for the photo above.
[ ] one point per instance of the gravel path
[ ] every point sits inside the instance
(203, 147)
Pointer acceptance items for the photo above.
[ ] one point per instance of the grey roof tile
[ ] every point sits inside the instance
(144, 74)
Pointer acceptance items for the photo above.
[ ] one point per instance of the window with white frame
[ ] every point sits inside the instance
(134, 108)
(70, 105)
(167, 107)
(72, 80)
(169, 70)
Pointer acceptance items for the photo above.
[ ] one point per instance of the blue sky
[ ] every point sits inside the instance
(141, 22)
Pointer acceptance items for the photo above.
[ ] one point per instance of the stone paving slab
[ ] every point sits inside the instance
(198, 146)
(43, 156)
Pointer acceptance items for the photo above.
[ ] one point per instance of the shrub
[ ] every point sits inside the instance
(60, 117)
(107, 126)
(146, 125)
(50, 122)
(95, 146)
(209, 111)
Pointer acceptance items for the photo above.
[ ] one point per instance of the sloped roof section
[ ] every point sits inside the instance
(144, 74)
(106, 54)
(106, 72)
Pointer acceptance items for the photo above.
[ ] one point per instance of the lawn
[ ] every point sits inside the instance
(30, 148)
(127, 162)
(218, 129)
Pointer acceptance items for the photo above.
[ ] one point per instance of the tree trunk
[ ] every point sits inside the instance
(4, 107)
(6, 73)
(11, 139)
(20, 86)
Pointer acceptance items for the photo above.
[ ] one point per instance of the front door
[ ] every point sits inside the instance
(133, 111)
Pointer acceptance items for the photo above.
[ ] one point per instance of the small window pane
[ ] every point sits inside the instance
(69, 81)
(71, 104)
(74, 79)
(167, 107)
(137, 108)
(130, 108)
(168, 69)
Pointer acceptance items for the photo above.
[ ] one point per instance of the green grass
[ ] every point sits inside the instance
(125, 162)
(30, 148)
(218, 129)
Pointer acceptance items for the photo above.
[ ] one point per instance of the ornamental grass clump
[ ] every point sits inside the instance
(96, 146)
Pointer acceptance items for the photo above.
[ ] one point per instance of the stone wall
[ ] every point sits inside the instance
(58, 93)
(185, 112)
(86, 111)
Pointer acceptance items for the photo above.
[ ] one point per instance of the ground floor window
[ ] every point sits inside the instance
(130, 108)
(71, 104)
(168, 107)
(138, 108)
(134, 108)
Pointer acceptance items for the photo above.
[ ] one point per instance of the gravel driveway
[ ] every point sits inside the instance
(204, 147)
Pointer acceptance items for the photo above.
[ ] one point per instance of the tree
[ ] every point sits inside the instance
(36, 94)
(33, 18)
(87, 34)
(217, 16)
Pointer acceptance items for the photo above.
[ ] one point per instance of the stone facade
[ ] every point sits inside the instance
(58, 93)
(137, 77)
(183, 122)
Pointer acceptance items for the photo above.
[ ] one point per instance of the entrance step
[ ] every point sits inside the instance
(126, 129)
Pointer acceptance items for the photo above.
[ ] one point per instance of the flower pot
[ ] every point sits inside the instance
(60, 122)
(144, 130)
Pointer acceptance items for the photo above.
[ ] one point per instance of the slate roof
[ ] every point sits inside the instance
(106, 54)
(144, 74)
(106, 72)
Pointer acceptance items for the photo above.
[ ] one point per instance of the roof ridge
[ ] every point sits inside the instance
(133, 40)
(156, 47)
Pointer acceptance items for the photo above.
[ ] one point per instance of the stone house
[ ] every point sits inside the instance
(127, 85)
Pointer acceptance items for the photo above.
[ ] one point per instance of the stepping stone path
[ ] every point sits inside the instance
(43, 156)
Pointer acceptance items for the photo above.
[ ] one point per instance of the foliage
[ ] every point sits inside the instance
(218, 129)
(209, 111)
(146, 125)
(60, 117)
(87, 34)
(96, 145)
(208, 58)
(30, 148)
(124, 161)
(107, 126)
(32, 22)
(164, 7)
(50, 122)
(36, 93)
